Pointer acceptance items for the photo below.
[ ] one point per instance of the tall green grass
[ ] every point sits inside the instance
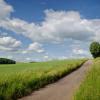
(23, 78)
(90, 88)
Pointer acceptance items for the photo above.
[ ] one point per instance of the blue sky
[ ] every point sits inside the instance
(32, 10)
(48, 29)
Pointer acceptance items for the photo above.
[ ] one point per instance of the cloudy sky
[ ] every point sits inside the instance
(38, 30)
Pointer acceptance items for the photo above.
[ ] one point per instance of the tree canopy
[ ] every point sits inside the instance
(95, 49)
(6, 61)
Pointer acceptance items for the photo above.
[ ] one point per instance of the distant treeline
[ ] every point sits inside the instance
(6, 61)
(32, 62)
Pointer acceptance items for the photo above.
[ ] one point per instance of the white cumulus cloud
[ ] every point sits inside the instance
(79, 51)
(37, 47)
(56, 26)
(9, 43)
(5, 9)
(34, 47)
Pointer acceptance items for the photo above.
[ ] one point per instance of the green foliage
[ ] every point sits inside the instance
(90, 88)
(95, 49)
(6, 61)
(23, 78)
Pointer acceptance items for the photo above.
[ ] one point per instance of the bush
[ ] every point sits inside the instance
(95, 49)
(6, 61)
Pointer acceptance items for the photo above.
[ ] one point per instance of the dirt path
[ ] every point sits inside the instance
(62, 89)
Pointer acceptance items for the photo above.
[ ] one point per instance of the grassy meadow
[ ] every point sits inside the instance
(17, 80)
(90, 88)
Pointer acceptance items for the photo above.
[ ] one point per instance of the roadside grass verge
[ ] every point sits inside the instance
(90, 88)
(21, 79)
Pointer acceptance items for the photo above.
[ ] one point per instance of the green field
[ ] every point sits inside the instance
(17, 80)
(90, 88)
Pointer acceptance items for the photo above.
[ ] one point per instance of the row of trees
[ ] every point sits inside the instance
(6, 61)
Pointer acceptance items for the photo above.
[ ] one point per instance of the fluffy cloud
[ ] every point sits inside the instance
(46, 57)
(57, 26)
(9, 43)
(79, 52)
(62, 58)
(5, 9)
(34, 47)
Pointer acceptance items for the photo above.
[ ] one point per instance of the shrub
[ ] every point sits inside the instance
(6, 61)
(95, 49)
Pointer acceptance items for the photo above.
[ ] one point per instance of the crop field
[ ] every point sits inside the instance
(90, 88)
(17, 80)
